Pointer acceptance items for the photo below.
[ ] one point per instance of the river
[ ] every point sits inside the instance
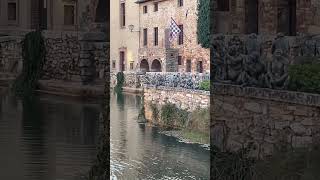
(138, 151)
(49, 138)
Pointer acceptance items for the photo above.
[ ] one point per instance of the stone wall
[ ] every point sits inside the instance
(66, 53)
(182, 98)
(188, 81)
(10, 55)
(267, 118)
(175, 80)
(185, 99)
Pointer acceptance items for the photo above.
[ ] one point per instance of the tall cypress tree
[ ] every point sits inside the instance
(203, 33)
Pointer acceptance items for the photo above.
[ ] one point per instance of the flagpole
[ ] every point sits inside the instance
(182, 32)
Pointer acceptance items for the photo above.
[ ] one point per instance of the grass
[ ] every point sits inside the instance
(196, 137)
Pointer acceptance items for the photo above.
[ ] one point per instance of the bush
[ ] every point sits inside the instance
(200, 120)
(173, 116)
(120, 82)
(305, 77)
(155, 112)
(33, 53)
(205, 85)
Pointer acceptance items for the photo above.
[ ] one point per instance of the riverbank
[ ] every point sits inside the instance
(189, 137)
(191, 127)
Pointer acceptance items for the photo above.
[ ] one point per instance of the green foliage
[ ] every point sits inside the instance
(33, 53)
(155, 112)
(195, 136)
(120, 82)
(172, 116)
(305, 77)
(301, 163)
(205, 85)
(295, 164)
(203, 25)
(200, 120)
(231, 165)
(141, 116)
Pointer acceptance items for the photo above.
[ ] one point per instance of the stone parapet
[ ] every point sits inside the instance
(175, 79)
(267, 118)
(185, 99)
(300, 98)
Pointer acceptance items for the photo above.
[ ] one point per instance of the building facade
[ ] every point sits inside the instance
(267, 17)
(124, 42)
(58, 15)
(156, 53)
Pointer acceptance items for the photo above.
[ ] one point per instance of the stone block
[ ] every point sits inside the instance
(299, 129)
(281, 124)
(301, 141)
(253, 107)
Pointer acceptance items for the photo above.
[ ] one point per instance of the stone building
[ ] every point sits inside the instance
(124, 42)
(290, 17)
(184, 54)
(58, 15)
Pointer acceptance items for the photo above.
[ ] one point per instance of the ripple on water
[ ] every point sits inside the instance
(139, 151)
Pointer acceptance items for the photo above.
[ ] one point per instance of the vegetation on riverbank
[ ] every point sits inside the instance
(192, 126)
(295, 164)
(120, 82)
(195, 136)
(205, 85)
(33, 53)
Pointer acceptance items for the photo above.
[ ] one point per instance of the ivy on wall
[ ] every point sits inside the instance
(203, 25)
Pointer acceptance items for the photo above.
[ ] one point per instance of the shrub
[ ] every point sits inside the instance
(305, 77)
(155, 112)
(120, 82)
(205, 85)
(200, 120)
(33, 53)
(173, 116)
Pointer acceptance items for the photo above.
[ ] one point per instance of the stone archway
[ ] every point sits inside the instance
(144, 65)
(156, 66)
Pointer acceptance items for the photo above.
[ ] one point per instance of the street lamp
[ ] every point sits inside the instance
(131, 27)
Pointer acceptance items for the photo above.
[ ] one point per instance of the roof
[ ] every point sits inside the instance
(143, 1)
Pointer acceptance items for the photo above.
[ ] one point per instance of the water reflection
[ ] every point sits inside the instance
(138, 151)
(47, 138)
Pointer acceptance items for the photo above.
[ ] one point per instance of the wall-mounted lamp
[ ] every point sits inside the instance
(131, 27)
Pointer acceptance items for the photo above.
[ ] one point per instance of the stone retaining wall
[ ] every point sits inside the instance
(66, 53)
(184, 99)
(265, 117)
(10, 54)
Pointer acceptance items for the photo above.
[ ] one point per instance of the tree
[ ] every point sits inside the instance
(203, 26)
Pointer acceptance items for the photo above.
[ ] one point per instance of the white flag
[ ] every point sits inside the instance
(174, 30)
